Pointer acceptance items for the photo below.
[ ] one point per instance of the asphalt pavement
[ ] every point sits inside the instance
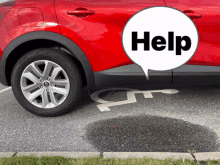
(156, 122)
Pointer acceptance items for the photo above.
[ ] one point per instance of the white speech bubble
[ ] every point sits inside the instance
(158, 21)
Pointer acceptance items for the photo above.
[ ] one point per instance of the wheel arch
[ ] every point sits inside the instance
(73, 48)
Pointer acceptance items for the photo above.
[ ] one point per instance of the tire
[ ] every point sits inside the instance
(48, 97)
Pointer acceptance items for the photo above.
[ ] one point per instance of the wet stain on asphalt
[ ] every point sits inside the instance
(150, 134)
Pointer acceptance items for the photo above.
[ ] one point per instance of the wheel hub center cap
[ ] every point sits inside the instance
(46, 83)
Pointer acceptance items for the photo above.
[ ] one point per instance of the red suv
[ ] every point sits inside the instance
(51, 49)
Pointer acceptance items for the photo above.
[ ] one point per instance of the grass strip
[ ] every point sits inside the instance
(59, 160)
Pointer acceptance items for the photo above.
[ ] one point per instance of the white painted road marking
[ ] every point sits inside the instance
(3, 90)
(130, 97)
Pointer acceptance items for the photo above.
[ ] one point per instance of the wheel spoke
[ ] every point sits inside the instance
(36, 70)
(31, 77)
(35, 94)
(61, 91)
(61, 82)
(55, 72)
(47, 69)
(31, 87)
(45, 99)
(52, 97)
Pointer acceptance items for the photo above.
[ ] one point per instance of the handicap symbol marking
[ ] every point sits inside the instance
(104, 106)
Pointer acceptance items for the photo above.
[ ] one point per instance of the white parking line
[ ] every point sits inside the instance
(3, 90)
(104, 106)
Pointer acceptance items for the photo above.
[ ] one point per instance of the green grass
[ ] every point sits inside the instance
(58, 160)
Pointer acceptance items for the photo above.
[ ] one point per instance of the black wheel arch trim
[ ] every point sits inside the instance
(69, 44)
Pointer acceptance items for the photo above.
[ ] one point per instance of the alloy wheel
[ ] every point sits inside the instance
(45, 84)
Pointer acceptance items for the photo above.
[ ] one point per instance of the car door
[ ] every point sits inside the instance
(206, 16)
(96, 27)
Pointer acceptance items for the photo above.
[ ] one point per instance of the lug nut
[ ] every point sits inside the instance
(41, 79)
(41, 86)
(48, 78)
(52, 85)
(47, 89)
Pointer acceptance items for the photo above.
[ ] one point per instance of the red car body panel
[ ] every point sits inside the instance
(5, 37)
(208, 52)
(38, 12)
(99, 35)
(30, 17)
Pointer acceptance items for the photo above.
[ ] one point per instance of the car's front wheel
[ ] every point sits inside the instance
(46, 82)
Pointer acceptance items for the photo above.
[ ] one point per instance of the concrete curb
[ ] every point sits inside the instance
(155, 155)
(7, 154)
(207, 155)
(64, 154)
(121, 155)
